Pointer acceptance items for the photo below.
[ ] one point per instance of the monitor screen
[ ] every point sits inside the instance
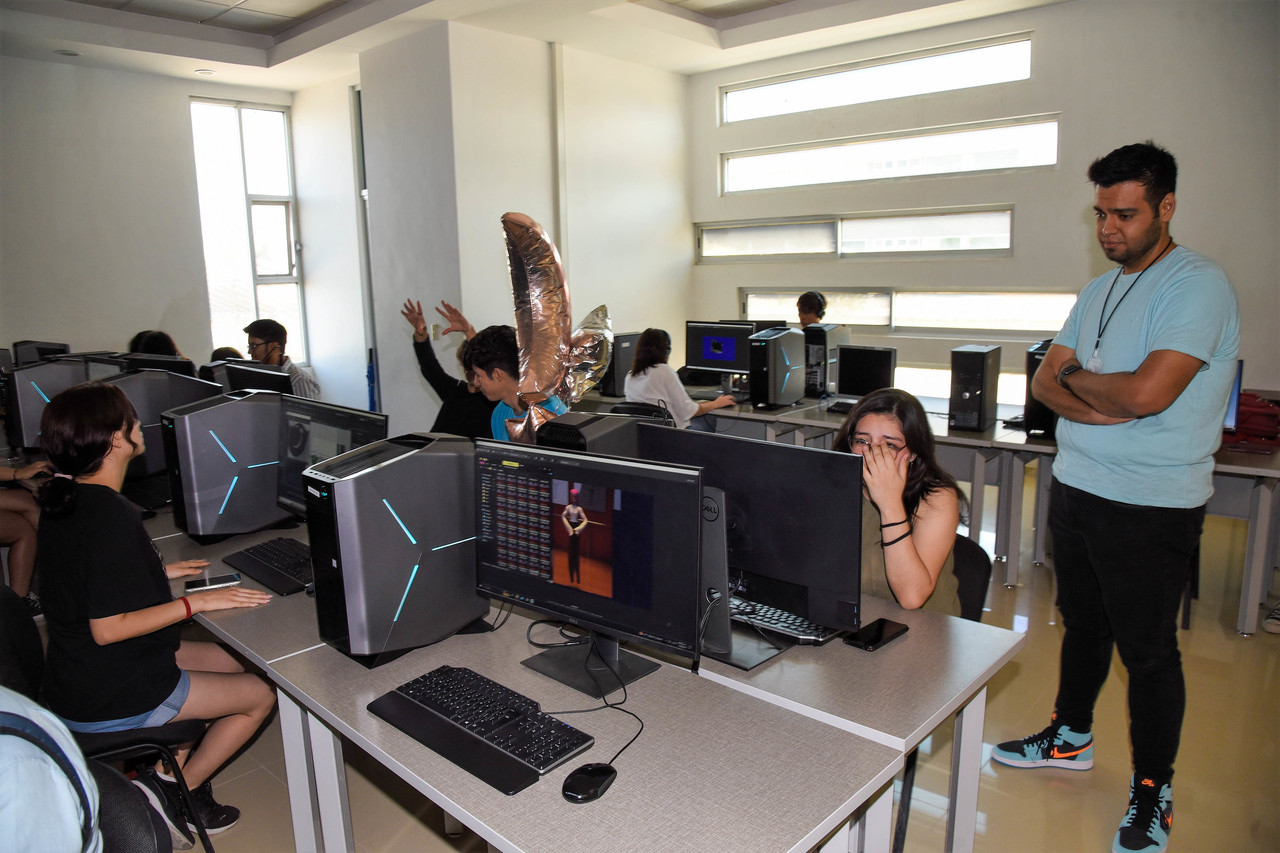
(1233, 401)
(806, 559)
(311, 432)
(724, 347)
(861, 370)
(242, 377)
(629, 571)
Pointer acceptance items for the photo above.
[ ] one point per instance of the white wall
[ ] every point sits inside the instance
(1200, 78)
(328, 210)
(99, 227)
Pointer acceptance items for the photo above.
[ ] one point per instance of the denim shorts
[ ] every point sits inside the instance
(166, 711)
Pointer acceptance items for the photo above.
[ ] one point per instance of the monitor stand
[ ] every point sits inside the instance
(596, 667)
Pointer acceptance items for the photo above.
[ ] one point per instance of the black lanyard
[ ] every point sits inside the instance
(1104, 319)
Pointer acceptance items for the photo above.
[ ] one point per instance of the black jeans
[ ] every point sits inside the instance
(1121, 569)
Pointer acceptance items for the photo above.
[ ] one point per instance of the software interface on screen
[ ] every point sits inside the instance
(611, 545)
(723, 347)
(311, 432)
(861, 370)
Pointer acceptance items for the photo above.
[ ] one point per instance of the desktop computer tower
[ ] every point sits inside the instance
(777, 367)
(821, 341)
(613, 383)
(975, 370)
(221, 455)
(27, 389)
(1036, 416)
(596, 432)
(392, 529)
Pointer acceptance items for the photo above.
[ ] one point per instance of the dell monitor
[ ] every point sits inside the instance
(630, 572)
(861, 370)
(793, 525)
(311, 432)
(719, 347)
(1233, 401)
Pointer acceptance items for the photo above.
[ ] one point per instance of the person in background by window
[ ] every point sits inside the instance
(652, 381)
(463, 410)
(154, 342)
(267, 339)
(812, 307)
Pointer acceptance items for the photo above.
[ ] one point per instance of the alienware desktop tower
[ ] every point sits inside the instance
(777, 367)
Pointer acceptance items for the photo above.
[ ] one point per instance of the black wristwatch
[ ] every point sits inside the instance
(1067, 371)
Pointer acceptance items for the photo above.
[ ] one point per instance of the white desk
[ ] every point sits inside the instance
(898, 694)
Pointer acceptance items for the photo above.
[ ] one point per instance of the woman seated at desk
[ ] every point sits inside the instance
(116, 660)
(652, 381)
(910, 506)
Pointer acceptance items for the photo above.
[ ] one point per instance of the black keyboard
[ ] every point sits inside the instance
(281, 565)
(779, 621)
(841, 407)
(713, 394)
(150, 492)
(494, 733)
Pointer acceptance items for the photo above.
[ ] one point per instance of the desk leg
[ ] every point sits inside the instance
(1044, 480)
(977, 489)
(297, 763)
(872, 830)
(331, 787)
(1256, 562)
(966, 767)
(1013, 469)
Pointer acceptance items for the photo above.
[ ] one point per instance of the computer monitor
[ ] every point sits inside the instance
(242, 377)
(758, 325)
(30, 352)
(154, 361)
(794, 518)
(1233, 401)
(721, 347)
(637, 557)
(861, 370)
(311, 432)
(99, 367)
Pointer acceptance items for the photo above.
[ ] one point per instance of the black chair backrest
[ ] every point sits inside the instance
(21, 652)
(972, 568)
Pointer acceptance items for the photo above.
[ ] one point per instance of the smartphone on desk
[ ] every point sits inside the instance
(214, 582)
(875, 634)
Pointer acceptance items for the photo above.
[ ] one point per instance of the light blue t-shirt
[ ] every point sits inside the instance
(498, 420)
(1182, 303)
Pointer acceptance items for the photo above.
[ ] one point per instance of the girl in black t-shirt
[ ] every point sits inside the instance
(115, 658)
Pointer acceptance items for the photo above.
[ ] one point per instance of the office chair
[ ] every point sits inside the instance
(972, 568)
(643, 410)
(22, 668)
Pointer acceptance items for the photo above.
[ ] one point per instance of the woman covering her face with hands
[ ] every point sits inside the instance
(910, 506)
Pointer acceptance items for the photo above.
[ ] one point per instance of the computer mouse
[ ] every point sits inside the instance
(588, 782)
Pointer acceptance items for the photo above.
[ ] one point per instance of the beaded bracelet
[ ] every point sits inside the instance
(896, 541)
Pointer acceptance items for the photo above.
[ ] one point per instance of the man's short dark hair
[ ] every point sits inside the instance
(812, 302)
(493, 347)
(267, 330)
(1144, 162)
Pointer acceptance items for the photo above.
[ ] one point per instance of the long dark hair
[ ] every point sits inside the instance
(925, 476)
(76, 430)
(653, 348)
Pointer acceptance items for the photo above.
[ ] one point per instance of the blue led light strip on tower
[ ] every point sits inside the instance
(230, 489)
(405, 597)
(399, 522)
(223, 446)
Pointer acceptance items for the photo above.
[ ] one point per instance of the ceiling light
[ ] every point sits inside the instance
(206, 72)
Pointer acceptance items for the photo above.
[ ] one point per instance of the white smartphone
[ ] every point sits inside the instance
(214, 582)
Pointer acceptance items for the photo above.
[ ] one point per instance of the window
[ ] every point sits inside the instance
(1005, 312)
(949, 151)
(973, 231)
(248, 218)
(881, 80)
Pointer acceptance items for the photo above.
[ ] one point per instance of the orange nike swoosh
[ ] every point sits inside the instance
(1058, 753)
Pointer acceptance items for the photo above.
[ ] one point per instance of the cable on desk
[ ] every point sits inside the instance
(504, 613)
(569, 639)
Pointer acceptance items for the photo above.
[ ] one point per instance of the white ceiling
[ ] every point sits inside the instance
(292, 44)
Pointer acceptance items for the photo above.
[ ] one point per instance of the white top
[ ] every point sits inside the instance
(303, 380)
(660, 386)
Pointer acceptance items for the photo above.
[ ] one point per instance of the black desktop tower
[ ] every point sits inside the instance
(221, 455)
(777, 367)
(392, 529)
(614, 381)
(975, 370)
(1036, 416)
(821, 341)
(596, 432)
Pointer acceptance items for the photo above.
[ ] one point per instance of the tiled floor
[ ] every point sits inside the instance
(1227, 791)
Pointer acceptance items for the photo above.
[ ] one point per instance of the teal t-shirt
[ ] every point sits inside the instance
(1182, 303)
(498, 420)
